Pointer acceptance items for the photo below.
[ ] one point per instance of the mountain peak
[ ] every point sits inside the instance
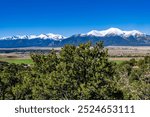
(115, 32)
(41, 36)
(112, 31)
(133, 33)
(55, 36)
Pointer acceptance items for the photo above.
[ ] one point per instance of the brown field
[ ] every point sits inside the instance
(14, 55)
(129, 51)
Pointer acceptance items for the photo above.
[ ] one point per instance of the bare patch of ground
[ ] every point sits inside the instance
(129, 51)
(14, 56)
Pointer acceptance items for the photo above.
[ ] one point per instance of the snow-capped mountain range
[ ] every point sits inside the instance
(110, 37)
(41, 36)
(110, 31)
(115, 32)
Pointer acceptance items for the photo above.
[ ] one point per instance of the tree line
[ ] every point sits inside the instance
(77, 73)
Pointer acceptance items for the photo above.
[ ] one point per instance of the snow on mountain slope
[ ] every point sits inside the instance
(133, 33)
(115, 32)
(14, 37)
(55, 37)
(41, 36)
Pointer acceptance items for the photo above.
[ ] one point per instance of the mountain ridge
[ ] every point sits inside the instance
(41, 36)
(110, 37)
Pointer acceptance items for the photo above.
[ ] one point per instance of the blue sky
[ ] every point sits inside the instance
(67, 17)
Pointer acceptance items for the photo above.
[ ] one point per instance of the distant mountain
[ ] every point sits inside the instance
(115, 32)
(42, 40)
(41, 36)
(110, 37)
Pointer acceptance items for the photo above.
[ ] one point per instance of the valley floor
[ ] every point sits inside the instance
(117, 54)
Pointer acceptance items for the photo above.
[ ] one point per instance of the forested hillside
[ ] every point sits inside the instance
(77, 72)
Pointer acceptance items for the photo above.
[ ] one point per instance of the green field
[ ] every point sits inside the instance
(17, 61)
(29, 61)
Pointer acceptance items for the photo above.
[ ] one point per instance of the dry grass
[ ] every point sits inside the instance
(129, 51)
